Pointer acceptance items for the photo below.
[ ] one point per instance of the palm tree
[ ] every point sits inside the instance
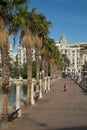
(40, 27)
(52, 56)
(24, 22)
(32, 28)
(65, 60)
(8, 9)
(28, 43)
(56, 62)
(35, 28)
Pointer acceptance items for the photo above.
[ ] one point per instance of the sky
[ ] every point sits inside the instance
(68, 17)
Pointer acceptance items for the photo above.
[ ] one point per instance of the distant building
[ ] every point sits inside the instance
(83, 52)
(72, 52)
(21, 55)
(14, 57)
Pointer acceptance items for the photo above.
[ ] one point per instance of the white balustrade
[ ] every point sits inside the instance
(41, 88)
(18, 98)
(49, 83)
(32, 92)
(45, 84)
(18, 83)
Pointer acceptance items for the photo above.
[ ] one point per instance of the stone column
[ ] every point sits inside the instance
(40, 88)
(32, 93)
(45, 84)
(41, 85)
(18, 98)
(49, 83)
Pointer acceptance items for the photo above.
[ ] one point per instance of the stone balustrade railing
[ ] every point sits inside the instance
(44, 87)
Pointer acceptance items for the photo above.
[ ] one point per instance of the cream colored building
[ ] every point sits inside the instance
(73, 53)
(21, 55)
(83, 52)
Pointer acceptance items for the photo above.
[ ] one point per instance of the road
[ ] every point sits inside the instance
(57, 110)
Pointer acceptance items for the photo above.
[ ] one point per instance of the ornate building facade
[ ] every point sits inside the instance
(72, 51)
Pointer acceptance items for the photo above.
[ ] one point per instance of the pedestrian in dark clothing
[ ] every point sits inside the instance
(65, 87)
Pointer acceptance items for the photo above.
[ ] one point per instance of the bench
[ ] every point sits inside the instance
(13, 115)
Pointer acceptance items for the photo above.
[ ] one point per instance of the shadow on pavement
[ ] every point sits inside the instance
(71, 128)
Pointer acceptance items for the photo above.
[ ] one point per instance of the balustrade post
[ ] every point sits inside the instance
(18, 97)
(49, 83)
(32, 93)
(40, 88)
(45, 84)
(41, 85)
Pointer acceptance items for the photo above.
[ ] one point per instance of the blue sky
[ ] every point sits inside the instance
(68, 17)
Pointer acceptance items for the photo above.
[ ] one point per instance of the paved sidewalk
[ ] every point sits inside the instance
(58, 110)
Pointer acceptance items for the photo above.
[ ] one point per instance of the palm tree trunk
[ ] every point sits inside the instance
(5, 81)
(46, 74)
(43, 74)
(29, 74)
(43, 66)
(46, 68)
(37, 70)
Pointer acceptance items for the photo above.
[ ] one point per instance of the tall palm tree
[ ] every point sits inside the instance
(66, 61)
(55, 59)
(35, 28)
(24, 21)
(8, 9)
(40, 27)
(28, 43)
(29, 38)
(51, 55)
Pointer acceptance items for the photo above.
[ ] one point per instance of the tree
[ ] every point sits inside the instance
(51, 57)
(14, 70)
(8, 9)
(23, 20)
(40, 27)
(65, 60)
(23, 71)
(33, 69)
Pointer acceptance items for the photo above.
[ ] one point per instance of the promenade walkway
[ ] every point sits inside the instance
(58, 110)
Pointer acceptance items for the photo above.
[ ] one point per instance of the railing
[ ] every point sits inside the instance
(44, 87)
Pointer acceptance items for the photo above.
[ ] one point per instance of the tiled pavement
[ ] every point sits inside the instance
(57, 110)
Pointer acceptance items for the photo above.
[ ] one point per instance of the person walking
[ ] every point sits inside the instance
(65, 87)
